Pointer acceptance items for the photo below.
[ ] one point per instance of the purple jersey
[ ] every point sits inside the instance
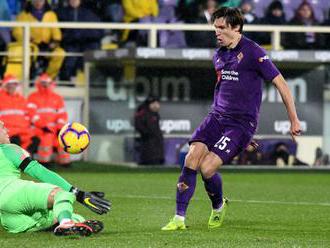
(241, 72)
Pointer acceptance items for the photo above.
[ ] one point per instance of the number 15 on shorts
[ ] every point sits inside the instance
(222, 143)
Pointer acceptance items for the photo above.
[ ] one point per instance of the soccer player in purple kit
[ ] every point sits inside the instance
(241, 66)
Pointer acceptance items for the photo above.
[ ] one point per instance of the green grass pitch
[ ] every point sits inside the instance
(290, 209)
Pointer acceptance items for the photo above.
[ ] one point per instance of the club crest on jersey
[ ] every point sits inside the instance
(240, 57)
(182, 187)
(262, 59)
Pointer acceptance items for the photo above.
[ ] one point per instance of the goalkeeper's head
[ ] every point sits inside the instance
(4, 137)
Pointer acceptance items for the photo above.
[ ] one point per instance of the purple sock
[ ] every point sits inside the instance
(185, 190)
(213, 187)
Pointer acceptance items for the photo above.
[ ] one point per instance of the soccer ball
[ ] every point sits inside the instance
(74, 138)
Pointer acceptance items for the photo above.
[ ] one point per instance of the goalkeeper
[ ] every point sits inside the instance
(26, 206)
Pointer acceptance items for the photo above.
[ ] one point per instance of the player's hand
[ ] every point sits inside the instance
(93, 200)
(295, 129)
(252, 146)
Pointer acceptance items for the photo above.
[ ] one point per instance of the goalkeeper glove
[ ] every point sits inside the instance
(93, 200)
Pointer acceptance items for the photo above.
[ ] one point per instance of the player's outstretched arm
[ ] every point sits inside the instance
(21, 160)
(288, 101)
(92, 200)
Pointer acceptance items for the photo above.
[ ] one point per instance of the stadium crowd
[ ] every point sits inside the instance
(58, 42)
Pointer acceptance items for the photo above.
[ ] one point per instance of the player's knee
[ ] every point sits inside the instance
(192, 160)
(207, 171)
(51, 196)
(58, 195)
(64, 196)
(210, 165)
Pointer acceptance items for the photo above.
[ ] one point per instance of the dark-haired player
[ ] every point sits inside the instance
(241, 66)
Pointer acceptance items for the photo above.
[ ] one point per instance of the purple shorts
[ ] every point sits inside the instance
(223, 136)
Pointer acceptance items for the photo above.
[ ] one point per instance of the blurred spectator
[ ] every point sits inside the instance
(92, 5)
(169, 38)
(47, 39)
(203, 38)
(281, 155)
(4, 11)
(112, 11)
(146, 121)
(4, 32)
(289, 6)
(186, 10)
(261, 7)
(320, 8)
(15, 115)
(49, 116)
(327, 36)
(274, 16)
(247, 9)
(231, 3)
(304, 15)
(77, 40)
(326, 160)
(142, 11)
(320, 158)
(54, 3)
(15, 6)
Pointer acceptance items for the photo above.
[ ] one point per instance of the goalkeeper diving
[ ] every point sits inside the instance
(27, 206)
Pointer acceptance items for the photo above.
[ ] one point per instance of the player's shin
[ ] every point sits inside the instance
(63, 208)
(185, 190)
(213, 187)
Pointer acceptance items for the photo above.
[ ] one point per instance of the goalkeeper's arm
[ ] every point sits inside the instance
(22, 160)
(93, 200)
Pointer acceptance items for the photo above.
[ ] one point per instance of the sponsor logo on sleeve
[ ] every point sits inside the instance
(263, 58)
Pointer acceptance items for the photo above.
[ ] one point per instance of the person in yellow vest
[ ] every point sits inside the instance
(47, 39)
(142, 11)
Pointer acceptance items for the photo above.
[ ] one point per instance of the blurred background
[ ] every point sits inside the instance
(105, 58)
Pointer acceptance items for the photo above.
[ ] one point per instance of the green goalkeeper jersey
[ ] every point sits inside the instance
(14, 159)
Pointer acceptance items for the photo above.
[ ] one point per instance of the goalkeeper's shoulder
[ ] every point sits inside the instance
(14, 152)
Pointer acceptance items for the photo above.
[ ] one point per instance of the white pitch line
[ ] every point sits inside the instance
(324, 204)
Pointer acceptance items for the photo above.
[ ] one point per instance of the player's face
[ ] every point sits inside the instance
(4, 137)
(224, 32)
